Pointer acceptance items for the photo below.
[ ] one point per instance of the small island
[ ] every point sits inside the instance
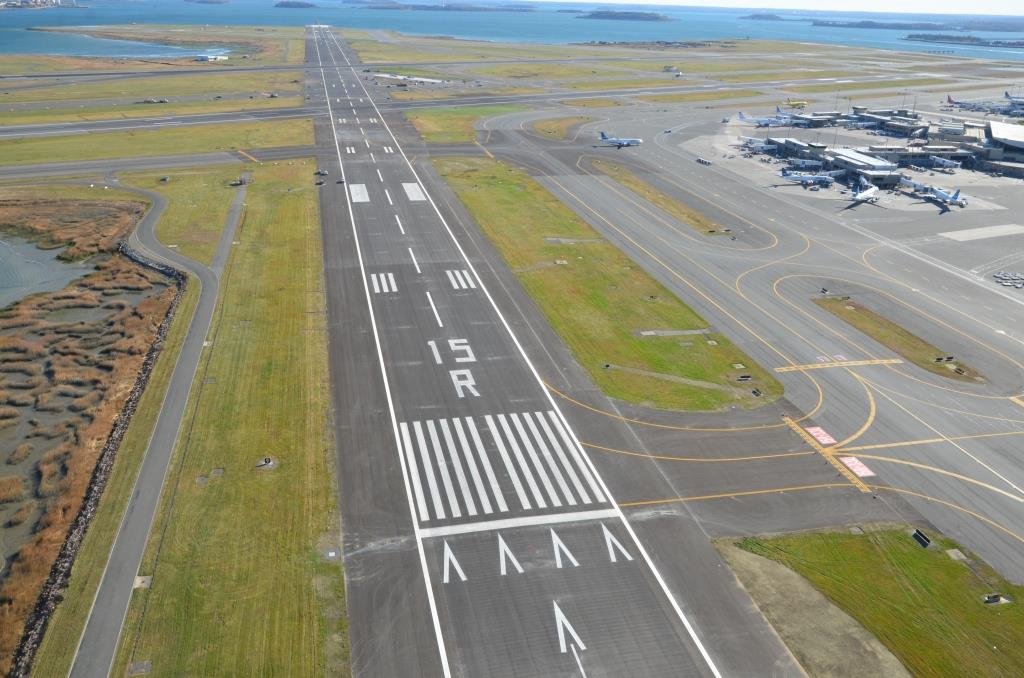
(208, 2)
(294, 4)
(971, 40)
(764, 17)
(612, 15)
(884, 25)
(447, 7)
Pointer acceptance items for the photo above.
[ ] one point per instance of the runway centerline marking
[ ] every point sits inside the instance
(838, 363)
(433, 308)
(414, 262)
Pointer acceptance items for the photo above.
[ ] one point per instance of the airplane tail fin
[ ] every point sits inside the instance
(604, 135)
(955, 196)
(741, 116)
(778, 110)
(1007, 95)
(949, 100)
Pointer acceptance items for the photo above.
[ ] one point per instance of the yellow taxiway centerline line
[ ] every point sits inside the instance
(828, 454)
(841, 363)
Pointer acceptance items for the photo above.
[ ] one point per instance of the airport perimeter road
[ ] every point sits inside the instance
(96, 648)
(480, 539)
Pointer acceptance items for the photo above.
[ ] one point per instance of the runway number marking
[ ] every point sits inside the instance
(460, 279)
(464, 382)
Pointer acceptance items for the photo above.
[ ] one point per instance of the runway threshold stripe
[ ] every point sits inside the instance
(577, 455)
(460, 473)
(442, 467)
(566, 464)
(410, 453)
(474, 471)
(530, 480)
(537, 464)
(549, 458)
(509, 468)
(428, 469)
(498, 496)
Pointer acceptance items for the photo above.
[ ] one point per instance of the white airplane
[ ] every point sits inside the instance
(777, 120)
(823, 179)
(867, 192)
(1017, 101)
(934, 194)
(620, 143)
(944, 162)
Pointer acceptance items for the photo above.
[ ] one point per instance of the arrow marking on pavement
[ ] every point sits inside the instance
(613, 545)
(560, 548)
(506, 553)
(563, 625)
(449, 560)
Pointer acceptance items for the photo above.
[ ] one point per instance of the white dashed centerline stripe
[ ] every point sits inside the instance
(388, 196)
(414, 262)
(421, 551)
(433, 308)
(379, 176)
(399, 222)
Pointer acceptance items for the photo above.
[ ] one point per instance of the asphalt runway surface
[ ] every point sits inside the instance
(480, 538)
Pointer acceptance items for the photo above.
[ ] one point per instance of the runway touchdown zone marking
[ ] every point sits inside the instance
(414, 192)
(358, 193)
(383, 283)
(460, 279)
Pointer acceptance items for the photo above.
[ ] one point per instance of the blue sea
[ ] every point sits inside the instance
(543, 25)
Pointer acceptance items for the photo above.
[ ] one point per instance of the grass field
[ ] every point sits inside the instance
(157, 87)
(703, 65)
(241, 583)
(454, 125)
(889, 334)
(620, 83)
(407, 49)
(684, 213)
(198, 200)
(38, 116)
(709, 95)
(599, 300)
(596, 102)
(165, 141)
(558, 128)
(923, 605)
(784, 75)
(871, 84)
(16, 64)
(543, 71)
(65, 628)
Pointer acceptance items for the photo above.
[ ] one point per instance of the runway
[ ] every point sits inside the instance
(480, 537)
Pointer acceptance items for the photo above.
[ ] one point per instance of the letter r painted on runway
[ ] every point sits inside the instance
(464, 381)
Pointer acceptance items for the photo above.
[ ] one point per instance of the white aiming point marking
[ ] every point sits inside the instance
(358, 193)
(383, 283)
(414, 192)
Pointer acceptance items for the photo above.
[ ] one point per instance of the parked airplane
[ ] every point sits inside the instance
(777, 120)
(866, 192)
(620, 143)
(934, 194)
(1019, 101)
(944, 162)
(823, 179)
(795, 103)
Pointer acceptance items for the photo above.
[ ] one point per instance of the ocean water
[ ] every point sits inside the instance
(544, 25)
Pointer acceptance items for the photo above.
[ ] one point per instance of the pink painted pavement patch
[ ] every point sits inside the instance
(820, 435)
(857, 466)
